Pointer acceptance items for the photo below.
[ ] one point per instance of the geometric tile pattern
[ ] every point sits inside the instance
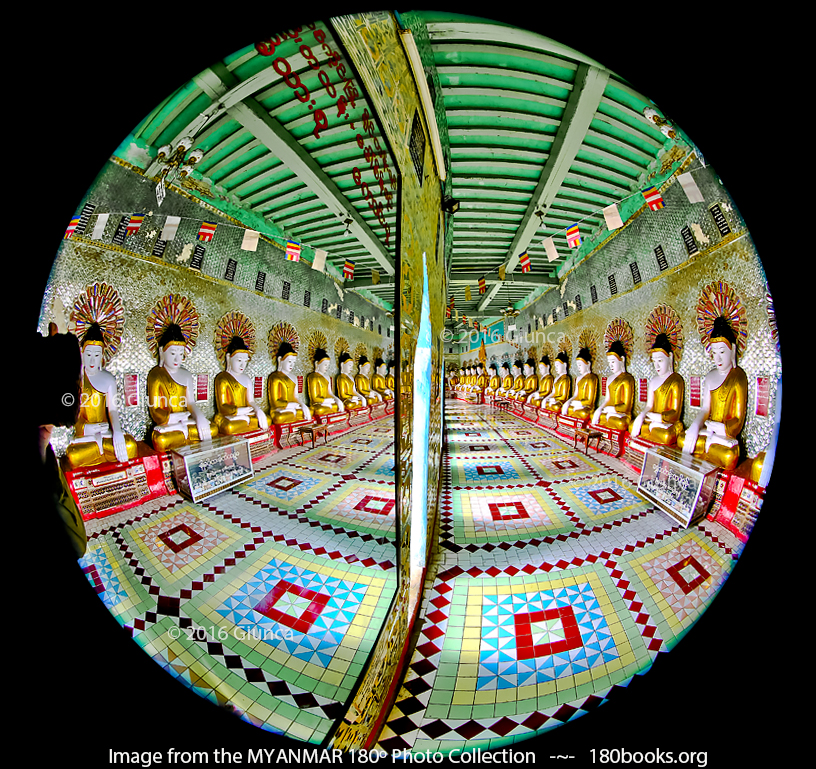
(358, 505)
(555, 584)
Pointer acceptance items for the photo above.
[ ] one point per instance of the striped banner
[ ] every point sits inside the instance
(292, 251)
(573, 237)
(654, 198)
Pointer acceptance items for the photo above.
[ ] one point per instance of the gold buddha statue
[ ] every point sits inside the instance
(284, 404)
(378, 383)
(517, 390)
(98, 435)
(171, 397)
(346, 390)
(562, 386)
(237, 411)
(582, 404)
(660, 421)
(390, 380)
(506, 381)
(713, 435)
(545, 383)
(494, 382)
(481, 379)
(530, 380)
(319, 387)
(363, 381)
(616, 410)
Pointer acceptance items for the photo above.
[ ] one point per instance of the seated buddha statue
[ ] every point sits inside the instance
(171, 397)
(236, 409)
(378, 383)
(713, 435)
(494, 382)
(582, 403)
(562, 386)
(616, 410)
(660, 421)
(346, 390)
(507, 380)
(319, 387)
(390, 380)
(464, 380)
(363, 381)
(481, 379)
(517, 390)
(530, 380)
(545, 383)
(284, 404)
(98, 435)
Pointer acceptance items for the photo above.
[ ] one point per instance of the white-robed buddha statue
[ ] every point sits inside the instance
(98, 434)
(235, 404)
(713, 435)
(177, 419)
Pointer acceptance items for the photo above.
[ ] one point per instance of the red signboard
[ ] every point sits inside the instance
(258, 387)
(763, 393)
(603, 385)
(694, 395)
(202, 387)
(644, 390)
(300, 384)
(131, 389)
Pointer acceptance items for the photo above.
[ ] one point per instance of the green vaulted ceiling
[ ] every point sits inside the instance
(540, 137)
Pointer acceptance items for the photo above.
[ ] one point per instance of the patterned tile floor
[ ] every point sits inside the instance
(554, 585)
(267, 598)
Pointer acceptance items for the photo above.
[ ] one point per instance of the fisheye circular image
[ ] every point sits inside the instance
(412, 388)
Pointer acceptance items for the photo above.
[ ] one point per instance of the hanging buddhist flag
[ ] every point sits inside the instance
(690, 188)
(292, 251)
(549, 247)
(319, 262)
(482, 285)
(448, 311)
(72, 225)
(654, 198)
(99, 227)
(573, 237)
(375, 277)
(134, 223)
(524, 261)
(476, 325)
(452, 300)
(348, 270)
(170, 228)
(467, 293)
(502, 272)
(612, 217)
(250, 240)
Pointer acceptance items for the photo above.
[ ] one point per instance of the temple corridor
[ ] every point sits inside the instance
(553, 584)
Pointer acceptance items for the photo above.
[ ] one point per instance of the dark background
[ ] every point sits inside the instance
(80, 83)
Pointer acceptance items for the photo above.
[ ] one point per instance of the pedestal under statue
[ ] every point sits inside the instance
(237, 411)
(616, 410)
(177, 419)
(98, 435)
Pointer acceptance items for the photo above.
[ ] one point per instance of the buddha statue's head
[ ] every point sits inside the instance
(480, 369)
(583, 361)
(172, 348)
(321, 362)
(723, 345)
(505, 369)
(286, 358)
(345, 362)
(561, 363)
(364, 366)
(616, 357)
(237, 356)
(493, 369)
(662, 355)
(544, 366)
(516, 369)
(529, 367)
(93, 349)
(379, 366)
